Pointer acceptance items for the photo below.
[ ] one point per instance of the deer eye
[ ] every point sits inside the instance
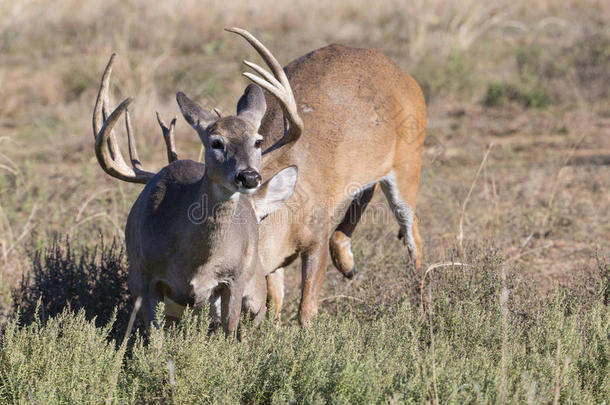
(217, 144)
(258, 143)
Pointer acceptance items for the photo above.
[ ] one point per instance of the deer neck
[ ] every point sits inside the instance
(221, 233)
(221, 203)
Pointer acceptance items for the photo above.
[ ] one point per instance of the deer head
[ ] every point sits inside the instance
(233, 144)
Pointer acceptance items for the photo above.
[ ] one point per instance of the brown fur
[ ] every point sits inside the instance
(364, 120)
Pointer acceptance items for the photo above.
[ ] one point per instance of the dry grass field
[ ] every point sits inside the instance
(516, 168)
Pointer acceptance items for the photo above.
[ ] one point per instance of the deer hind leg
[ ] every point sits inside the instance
(275, 291)
(341, 239)
(401, 191)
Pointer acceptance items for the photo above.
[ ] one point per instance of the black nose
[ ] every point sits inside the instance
(248, 178)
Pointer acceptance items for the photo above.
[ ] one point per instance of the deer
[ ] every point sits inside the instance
(358, 123)
(192, 234)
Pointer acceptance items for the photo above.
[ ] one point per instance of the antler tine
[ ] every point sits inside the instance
(106, 149)
(168, 136)
(131, 143)
(273, 64)
(266, 75)
(101, 112)
(99, 115)
(278, 85)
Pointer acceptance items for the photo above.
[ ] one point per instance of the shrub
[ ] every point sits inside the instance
(481, 338)
(529, 88)
(92, 281)
(528, 94)
(65, 360)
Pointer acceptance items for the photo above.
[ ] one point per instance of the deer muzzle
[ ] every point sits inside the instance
(248, 179)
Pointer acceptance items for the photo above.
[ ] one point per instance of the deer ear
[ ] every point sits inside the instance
(251, 106)
(198, 117)
(274, 193)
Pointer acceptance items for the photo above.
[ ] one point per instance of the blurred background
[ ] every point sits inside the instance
(531, 77)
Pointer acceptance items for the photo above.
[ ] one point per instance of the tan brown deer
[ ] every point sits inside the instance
(192, 234)
(363, 123)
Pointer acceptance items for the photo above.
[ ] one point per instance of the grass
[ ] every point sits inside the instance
(478, 332)
(526, 321)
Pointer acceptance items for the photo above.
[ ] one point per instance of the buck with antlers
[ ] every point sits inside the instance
(360, 121)
(192, 233)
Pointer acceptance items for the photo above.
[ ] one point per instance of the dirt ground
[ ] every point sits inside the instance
(526, 84)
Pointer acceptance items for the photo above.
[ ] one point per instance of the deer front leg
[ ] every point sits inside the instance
(275, 292)
(314, 263)
(231, 298)
(148, 308)
(141, 287)
(255, 297)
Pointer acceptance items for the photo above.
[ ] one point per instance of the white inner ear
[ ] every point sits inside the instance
(274, 194)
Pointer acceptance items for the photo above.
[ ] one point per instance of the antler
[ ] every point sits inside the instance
(168, 136)
(278, 85)
(106, 148)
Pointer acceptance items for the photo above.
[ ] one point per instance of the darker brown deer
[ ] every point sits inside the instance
(192, 234)
(363, 124)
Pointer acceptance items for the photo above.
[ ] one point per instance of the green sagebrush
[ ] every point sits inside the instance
(485, 350)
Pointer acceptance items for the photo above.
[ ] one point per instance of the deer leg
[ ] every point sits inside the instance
(275, 291)
(418, 243)
(149, 306)
(139, 287)
(260, 315)
(401, 192)
(314, 263)
(255, 298)
(231, 300)
(341, 239)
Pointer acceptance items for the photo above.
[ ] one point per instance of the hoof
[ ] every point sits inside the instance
(350, 274)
